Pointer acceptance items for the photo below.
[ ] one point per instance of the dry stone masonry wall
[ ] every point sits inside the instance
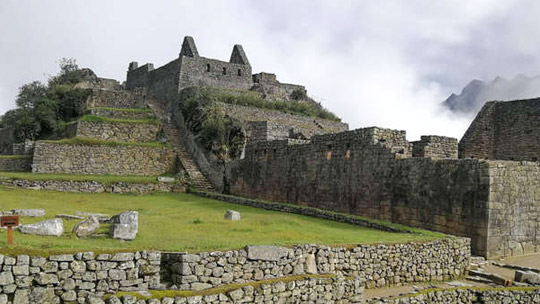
(20, 164)
(117, 131)
(102, 159)
(370, 172)
(93, 186)
(122, 113)
(373, 265)
(467, 296)
(304, 290)
(116, 99)
(504, 131)
(436, 147)
(72, 277)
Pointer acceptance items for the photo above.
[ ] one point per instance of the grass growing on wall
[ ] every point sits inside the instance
(129, 110)
(179, 222)
(95, 118)
(99, 142)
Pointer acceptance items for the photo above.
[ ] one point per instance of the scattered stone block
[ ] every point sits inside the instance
(125, 225)
(29, 212)
(232, 215)
(166, 179)
(100, 216)
(527, 277)
(87, 227)
(53, 227)
(266, 253)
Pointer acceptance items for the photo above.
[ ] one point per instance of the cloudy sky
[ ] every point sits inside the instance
(374, 63)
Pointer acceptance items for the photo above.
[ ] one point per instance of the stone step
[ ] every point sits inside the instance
(173, 135)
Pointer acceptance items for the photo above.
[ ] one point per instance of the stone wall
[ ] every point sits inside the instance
(308, 126)
(267, 85)
(72, 277)
(201, 71)
(93, 186)
(102, 159)
(518, 295)
(117, 131)
(373, 265)
(514, 208)
(11, 163)
(436, 147)
(121, 113)
(116, 99)
(301, 290)
(266, 130)
(504, 131)
(370, 172)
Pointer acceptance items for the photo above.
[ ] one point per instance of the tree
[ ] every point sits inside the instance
(30, 94)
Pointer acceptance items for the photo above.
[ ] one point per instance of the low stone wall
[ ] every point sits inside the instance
(523, 295)
(72, 277)
(15, 164)
(101, 159)
(436, 147)
(93, 186)
(121, 113)
(118, 131)
(304, 290)
(373, 265)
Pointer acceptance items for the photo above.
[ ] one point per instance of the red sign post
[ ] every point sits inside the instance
(9, 222)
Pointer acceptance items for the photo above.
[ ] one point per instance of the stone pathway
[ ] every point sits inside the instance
(197, 177)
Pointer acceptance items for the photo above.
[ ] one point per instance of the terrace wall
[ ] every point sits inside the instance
(16, 163)
(102, 159)
(116, 131)
(373, 265)
(72, 277)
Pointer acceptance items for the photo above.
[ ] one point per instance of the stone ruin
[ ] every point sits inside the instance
(475, 188)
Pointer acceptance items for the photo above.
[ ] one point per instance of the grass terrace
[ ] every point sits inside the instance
(130, 110)
(95, 118)
(106, 179)
(85, 141)
(180, 222)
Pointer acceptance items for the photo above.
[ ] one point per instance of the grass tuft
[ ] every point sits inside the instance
(130, 110)
(15, 156)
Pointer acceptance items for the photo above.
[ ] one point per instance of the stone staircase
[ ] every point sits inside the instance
(171, 132)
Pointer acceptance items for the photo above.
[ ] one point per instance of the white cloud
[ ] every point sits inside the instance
(385, 63)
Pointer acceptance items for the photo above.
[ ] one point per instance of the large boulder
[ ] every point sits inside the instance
(29, 212)
(87, 227)
(232, 215)
(49, 227)
(125, 225)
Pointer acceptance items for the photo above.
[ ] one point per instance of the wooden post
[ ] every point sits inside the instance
(9, 235)
(9, 222)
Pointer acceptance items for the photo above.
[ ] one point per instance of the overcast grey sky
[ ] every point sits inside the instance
(374, 63)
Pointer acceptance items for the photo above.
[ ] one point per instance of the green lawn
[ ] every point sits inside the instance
(180, 222)
(107, 179)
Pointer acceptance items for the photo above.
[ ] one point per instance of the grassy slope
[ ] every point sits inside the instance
(180, 222)
(100, 142)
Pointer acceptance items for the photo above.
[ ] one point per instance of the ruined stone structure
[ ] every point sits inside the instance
(504, 130)
(372, 172)
(190, 69)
